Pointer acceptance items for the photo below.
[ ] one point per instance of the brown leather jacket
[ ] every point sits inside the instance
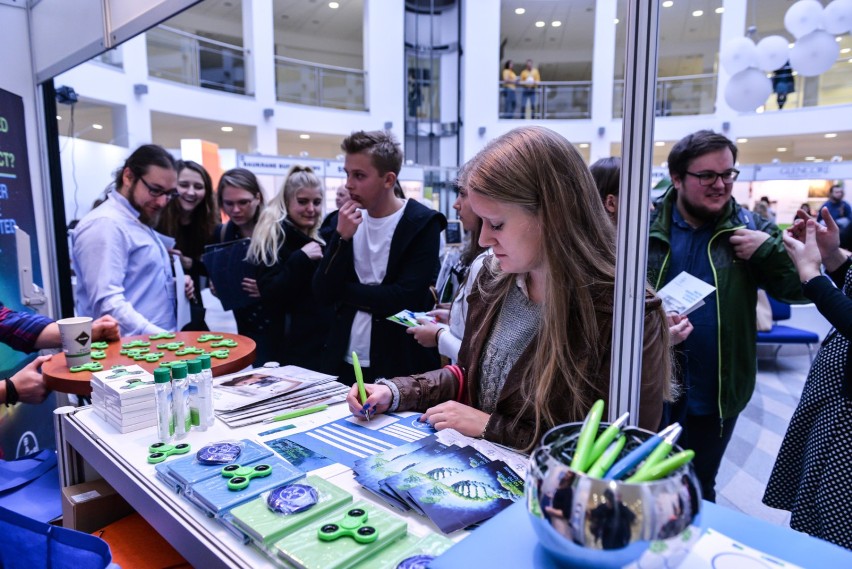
(507, 425)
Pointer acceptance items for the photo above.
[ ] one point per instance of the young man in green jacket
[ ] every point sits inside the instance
(698, 227)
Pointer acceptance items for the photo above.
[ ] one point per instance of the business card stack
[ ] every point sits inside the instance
(124, 397)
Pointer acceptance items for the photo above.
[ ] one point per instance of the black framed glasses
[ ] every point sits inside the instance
(709, 178)
(158, 192)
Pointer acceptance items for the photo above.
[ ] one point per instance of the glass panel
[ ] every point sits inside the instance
(676, 96)
(566, 100)
(172, 56)
(320, 86)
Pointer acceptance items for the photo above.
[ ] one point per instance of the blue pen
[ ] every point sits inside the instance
(637, 455)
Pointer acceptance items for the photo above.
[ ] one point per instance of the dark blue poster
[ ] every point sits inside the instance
(23, 428)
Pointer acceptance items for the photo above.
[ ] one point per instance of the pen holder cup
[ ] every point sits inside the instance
(590, 522)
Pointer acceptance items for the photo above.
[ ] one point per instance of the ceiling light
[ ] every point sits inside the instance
(668, 4)
(58, 118)
(698, 13)
(539, 24)
(742, 140)
(719, 10)
(845, 50)
(809, 158)
(831, 135)
(583, 145)
(790, 45)
(305, 136)
(659, 143)
(227, 129)
(97, 126)
(781, 149)
(838, 39)
(520, 11)
(555, 23)
(819, 160)
(616, 20)
(760, 109)
(333, 5)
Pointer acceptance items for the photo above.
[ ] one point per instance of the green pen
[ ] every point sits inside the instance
(581, 461)
(602, 464)
(297, 413)
(664, 467)
(606, 438)
(660, 451)
(359, 377)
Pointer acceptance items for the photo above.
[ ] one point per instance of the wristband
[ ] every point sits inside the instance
(11, 392)
(484, 429)
(438, 334)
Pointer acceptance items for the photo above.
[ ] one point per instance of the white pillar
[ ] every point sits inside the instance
(384, 62)
(603, 79)
(259, 43)
(480, 81)
(135, 57)
(734, 20)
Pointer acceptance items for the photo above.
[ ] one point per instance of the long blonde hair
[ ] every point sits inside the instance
(540, 171)
(269, 233)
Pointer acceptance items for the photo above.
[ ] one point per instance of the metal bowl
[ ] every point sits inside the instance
(589, 522)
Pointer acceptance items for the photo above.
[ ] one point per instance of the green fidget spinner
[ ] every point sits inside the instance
(98, 354)
(91, 366)
(172, 363)
(150, 358)
(353, 524)
(220, 354)
(240, 476)
(208, 337)
(162, 336)
(100, 345)
(189, 350)
(133, 351)
(172, 346)
(161, 451)
(228, 343)
(136, 344)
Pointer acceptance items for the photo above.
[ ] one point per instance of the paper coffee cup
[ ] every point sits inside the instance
(76, 334)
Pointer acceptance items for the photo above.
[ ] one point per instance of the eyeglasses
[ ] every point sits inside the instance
(709, 178)
(158, 192)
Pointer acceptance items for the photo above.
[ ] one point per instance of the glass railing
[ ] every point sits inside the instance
(193, 60)
(676, 96)
(319, 85)
(834, 87)
(548, 100)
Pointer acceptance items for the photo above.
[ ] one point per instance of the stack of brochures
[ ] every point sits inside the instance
(455, 482)
(249, 397)
(124, 397)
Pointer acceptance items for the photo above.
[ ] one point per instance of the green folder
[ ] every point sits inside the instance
(305, 550)
(264, 526)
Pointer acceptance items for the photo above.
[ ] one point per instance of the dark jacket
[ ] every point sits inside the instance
(507, 425)
(301, 322)
(412, 267)
(736, 283)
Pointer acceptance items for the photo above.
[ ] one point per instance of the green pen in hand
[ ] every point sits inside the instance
(606, 438)
(601, 465)
(580, 462)
(296, 413)
(664, 467)
(359, 377)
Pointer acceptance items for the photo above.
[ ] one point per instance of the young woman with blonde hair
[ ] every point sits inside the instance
(536, 351)
(287, 250)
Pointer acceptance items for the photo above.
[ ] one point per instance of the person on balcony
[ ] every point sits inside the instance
(510, 98)
(530, 79)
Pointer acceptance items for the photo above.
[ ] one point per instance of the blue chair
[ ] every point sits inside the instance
(780, 334)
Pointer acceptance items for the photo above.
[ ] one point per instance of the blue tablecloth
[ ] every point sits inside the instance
(508, 540)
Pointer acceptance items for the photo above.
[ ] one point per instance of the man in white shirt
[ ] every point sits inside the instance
(381, 259)
(123, 268)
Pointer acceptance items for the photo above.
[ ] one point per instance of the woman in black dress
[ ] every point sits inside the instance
(813, 471)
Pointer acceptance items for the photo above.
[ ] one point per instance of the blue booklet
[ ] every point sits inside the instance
(227, 267)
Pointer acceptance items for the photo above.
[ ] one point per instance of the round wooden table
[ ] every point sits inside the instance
(59, 378)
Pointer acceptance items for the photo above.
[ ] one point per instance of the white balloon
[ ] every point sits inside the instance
(814, 53)
(747, 90)
(837, 17)
(738, 54)
(803, 17)
(773, 52)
